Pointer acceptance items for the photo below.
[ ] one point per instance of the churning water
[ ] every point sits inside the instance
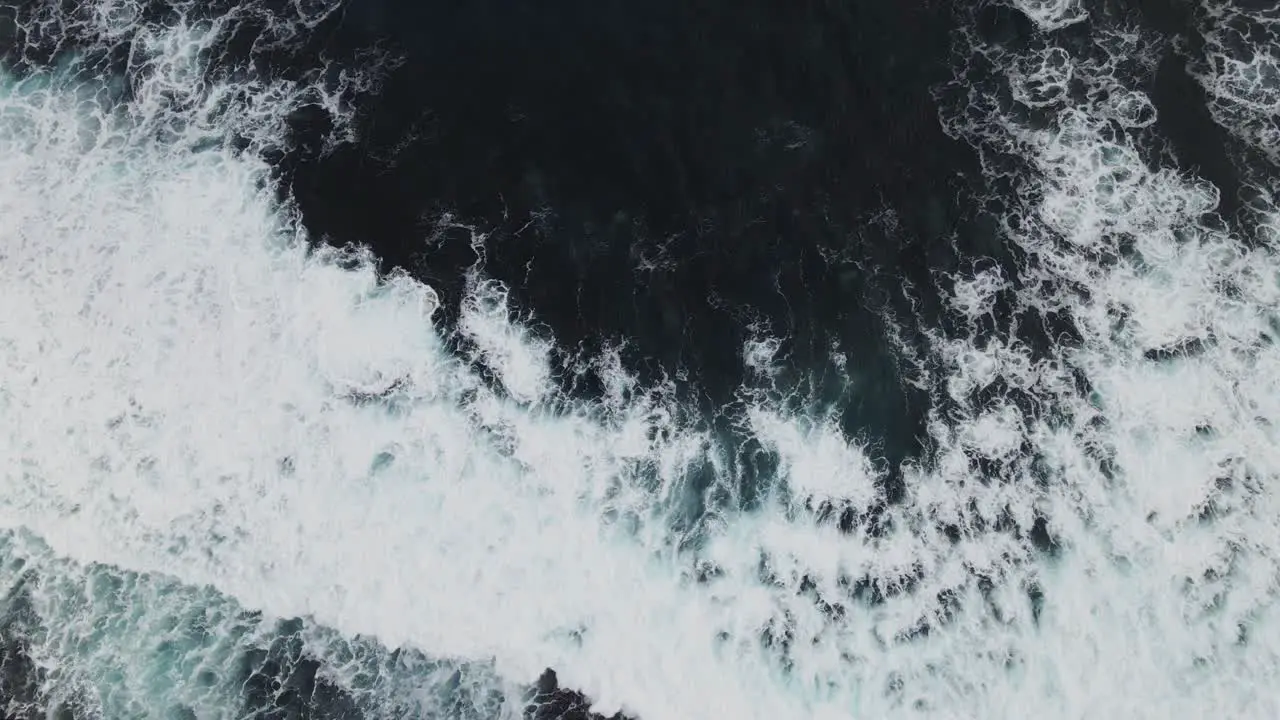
(829, 396)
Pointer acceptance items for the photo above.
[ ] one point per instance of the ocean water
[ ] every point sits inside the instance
(649, 360)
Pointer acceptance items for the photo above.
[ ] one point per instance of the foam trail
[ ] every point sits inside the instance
(1239, 67)
(112, 643)
(1052, 14)
(193, 390)
(1174, 317)
(198, 399)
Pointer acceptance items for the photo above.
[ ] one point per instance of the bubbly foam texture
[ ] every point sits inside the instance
(1239, 68)
(1052, 14)
(202, 397)
(196, 397)
(1173, 529)
(114, 643)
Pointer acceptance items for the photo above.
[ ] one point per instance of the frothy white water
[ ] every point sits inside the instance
(194, 396)
(1239, 67)
(113, 643)
(1052, 14)
(1177, 539)
(184, 376)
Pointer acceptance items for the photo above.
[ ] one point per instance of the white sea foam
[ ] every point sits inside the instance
(1239, 67)
(1052, 14)
(119, 644)
(183, 377)
(193, 396)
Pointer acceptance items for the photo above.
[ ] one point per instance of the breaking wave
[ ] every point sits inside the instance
(241, 468)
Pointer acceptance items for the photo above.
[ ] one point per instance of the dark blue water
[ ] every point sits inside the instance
(670, 175)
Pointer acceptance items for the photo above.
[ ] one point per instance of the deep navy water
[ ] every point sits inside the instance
(743, 151)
